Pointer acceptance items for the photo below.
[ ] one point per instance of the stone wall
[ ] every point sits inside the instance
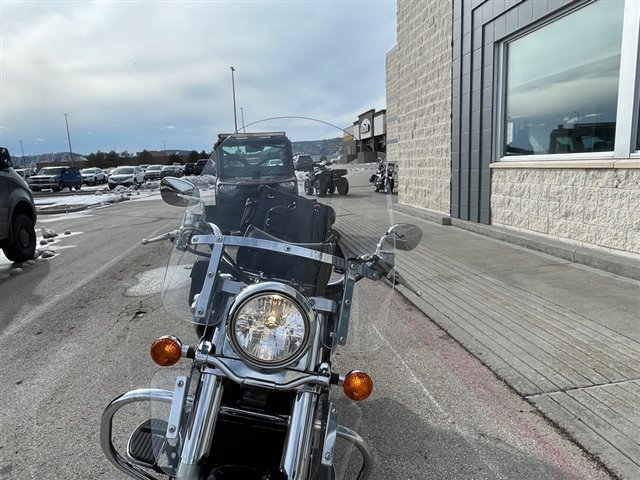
(420, 90)
(590, 206)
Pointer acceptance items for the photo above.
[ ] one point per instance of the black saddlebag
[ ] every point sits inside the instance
(281, 216)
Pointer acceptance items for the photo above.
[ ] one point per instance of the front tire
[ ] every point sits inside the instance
(23, 240)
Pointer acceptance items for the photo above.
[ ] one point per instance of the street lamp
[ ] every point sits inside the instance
(22, 148)
(242, 118)
(68, 138)
(233, 87)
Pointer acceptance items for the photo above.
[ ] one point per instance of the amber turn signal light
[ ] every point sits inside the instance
(357, 385)
(166, 351)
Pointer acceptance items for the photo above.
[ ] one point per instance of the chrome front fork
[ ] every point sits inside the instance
(201, 428)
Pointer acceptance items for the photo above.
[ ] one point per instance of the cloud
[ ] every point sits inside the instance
(169, 127)
(134, 65)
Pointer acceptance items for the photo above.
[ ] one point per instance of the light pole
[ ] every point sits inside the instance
(242, 118)
(233, 88)
(68, 138)
(22, 148)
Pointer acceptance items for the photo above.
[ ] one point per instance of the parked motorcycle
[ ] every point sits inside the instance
(386, 178)
(325, 181)
(270, 307)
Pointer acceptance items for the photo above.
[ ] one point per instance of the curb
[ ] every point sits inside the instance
(608, 262)
(59, 210)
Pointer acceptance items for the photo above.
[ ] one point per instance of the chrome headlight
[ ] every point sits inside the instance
(270, 325)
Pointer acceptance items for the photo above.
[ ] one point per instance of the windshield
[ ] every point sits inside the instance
(320, 215)
(254, 157)
(89, 170)
(123, 171)
(154, 167)
(51, 171)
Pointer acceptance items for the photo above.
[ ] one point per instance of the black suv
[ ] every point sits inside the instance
(17, 213)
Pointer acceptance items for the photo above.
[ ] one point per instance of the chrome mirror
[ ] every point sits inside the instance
(403, 236)
(178, 192)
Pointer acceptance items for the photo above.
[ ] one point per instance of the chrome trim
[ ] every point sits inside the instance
(330, 435)
(297, 450)
(177, 407)
(287, 248)
(367, 457)
(266, 288)
(106, 426)
(237, 412)
(300, 378)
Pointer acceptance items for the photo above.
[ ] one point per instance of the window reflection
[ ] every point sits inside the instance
(562, 84)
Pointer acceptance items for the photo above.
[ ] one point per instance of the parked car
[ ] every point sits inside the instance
(190, 169)
(56, 178)
(199, 166)
(153, 172)
(127, 176)
(24, 172)
(17, 213)
(144, 166)
(171, 171)
(302, 162)
(93, 176)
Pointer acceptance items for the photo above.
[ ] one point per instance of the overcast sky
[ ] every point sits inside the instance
(135, 75)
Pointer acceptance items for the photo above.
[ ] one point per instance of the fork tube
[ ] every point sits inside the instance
(199, 435)
(297, 451)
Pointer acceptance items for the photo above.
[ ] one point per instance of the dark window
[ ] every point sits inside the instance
(562, 84)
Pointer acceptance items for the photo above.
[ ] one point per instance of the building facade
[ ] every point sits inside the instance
(521, 114)
(366, 140)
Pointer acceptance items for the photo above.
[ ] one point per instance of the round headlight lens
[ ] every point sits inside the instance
(270, 330)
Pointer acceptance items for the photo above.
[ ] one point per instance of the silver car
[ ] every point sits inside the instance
(127, 176)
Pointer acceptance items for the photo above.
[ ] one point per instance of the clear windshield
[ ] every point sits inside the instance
(331, 205)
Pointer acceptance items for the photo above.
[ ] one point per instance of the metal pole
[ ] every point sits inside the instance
(68, 138)
(242, 117)
(233, 87)
(21, 148)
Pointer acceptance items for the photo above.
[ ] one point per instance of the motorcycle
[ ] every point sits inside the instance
(386, 178)
(325, 181)
(270, 308)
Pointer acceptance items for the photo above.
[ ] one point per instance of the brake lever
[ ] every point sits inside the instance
(394, 277)
(165, 236)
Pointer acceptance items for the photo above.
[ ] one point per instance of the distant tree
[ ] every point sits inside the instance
(204, 154)
(96, 159)
(174, 158)
(124, 155)
(193, 156)
(145, 157)
(112, 159)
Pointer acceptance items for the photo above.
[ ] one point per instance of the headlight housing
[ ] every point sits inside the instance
(270, 325)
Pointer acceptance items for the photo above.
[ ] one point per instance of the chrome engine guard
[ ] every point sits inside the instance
(165, 396)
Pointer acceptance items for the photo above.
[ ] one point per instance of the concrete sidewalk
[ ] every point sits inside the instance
(563, 335)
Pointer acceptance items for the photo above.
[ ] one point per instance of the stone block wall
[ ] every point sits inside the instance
(419, 113)
(598, 207)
